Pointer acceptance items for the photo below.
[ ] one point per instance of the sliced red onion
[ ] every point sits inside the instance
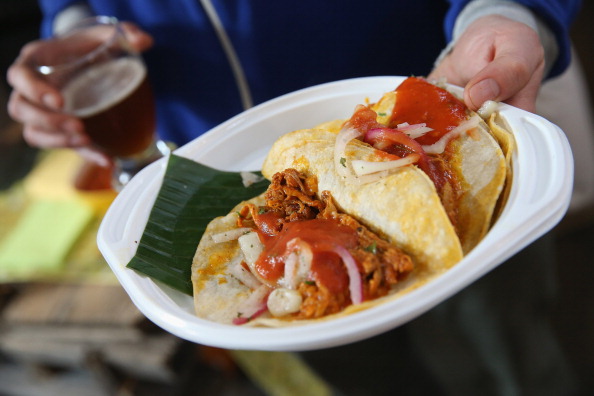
(303, 266)
(355, 282)
(252, 306)
(242, 320)
(386, 136)
(377, 136)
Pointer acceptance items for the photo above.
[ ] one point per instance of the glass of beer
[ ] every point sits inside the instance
(104, 83)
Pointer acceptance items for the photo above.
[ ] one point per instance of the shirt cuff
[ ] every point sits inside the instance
(70, 15)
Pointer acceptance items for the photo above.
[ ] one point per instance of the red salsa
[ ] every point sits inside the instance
(321, 235)
(418, 101)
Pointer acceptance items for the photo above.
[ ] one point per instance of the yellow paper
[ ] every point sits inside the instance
(53, 178)
(43, 237)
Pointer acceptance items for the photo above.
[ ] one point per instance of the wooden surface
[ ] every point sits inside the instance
(66, 325)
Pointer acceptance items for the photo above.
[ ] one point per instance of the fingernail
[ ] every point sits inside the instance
(482, 91)
(50, 101)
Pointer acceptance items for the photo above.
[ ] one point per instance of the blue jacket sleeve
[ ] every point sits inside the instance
(558, 14)
(49, 9)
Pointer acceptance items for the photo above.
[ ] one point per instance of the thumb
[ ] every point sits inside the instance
(506, 78)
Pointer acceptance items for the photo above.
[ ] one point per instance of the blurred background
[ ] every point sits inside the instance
(67, 327)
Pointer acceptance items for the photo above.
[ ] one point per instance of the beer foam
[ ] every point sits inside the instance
(102, 86)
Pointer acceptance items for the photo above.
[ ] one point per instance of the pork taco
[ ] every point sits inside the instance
(358, 211)
(291, 256)
(453, 146)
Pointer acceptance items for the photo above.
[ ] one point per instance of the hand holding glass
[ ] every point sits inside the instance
(104, 83)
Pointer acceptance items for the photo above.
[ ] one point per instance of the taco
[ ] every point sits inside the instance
(400, 205)
(358, 211)
(453, 146)
(290, 256)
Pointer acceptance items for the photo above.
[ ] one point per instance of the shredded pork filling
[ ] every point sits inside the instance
(293, 197)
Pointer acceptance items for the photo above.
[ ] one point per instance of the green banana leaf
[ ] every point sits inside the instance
(190, 197)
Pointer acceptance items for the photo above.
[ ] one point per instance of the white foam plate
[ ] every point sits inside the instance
(540, 194)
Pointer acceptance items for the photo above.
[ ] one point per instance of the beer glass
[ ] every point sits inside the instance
(104, 83)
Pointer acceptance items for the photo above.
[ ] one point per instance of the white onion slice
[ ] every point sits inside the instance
(439, 146)
(244, 275)
(249, 178)
(340, 164)
(297, 263)
(362, 167)
(414, 131)
(355, 282)
(488, 108)
(230, 235)
(343, 138)
(371, 178)
(290, 270)
(251, 247)
(418, 132)
(254, 303)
